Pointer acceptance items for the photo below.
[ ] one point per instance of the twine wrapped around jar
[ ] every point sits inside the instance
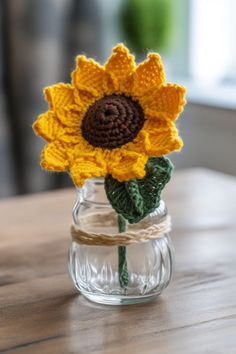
(126, 238)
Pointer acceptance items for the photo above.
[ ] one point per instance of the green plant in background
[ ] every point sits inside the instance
(146, 24)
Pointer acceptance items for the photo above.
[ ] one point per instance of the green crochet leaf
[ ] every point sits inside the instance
(137, 198)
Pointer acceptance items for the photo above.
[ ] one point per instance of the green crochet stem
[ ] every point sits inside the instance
(133, 200)
(122, 262)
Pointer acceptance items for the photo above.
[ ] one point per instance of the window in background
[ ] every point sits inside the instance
(212, 46)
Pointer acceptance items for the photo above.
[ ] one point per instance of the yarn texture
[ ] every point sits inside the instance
(137, 198)
(122, 239)
(112, 122)
(115, 121)
(111, 118)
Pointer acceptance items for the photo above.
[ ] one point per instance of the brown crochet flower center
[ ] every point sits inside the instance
(112, 122)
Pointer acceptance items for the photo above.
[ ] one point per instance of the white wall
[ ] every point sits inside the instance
(209, 135)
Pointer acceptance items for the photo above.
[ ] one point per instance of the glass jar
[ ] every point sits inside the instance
(94, 269)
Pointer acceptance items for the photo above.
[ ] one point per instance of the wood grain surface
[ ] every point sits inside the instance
(40, 311)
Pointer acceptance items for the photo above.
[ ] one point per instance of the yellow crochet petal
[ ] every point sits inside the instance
(54, 157)
(48, 127)
(120, 66)
(62, 101)
(155, 121)
(89, 76)
(73, 136)
(124, 165)
(59, 95)
(70, 116)
(88, 165)
(139, 144)
(70, 138)
(148, 74)
(84, 99)
(164, 140)
(166, 101)
(142, 142)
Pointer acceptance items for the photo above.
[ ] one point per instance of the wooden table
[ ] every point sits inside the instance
(40, 311)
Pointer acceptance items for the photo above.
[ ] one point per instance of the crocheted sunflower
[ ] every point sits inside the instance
(111, 118)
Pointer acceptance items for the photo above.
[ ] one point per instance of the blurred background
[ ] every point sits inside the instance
(39, 42)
